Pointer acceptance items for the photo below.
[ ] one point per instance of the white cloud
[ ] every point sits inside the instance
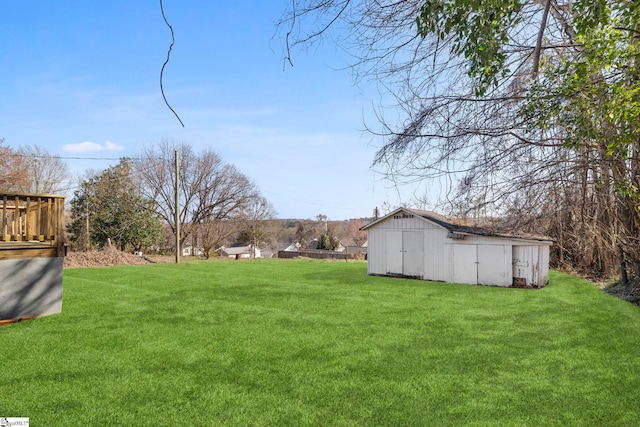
(110, 146)
(88, 146)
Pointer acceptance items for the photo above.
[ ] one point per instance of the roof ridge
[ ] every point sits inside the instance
(454, 225)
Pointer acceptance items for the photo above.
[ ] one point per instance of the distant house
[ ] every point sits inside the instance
(349, 246)
(290, 247)
(424, 245)
(238, 252)
(189, 250)
(272, 252)
(315, 244)
(346, 245)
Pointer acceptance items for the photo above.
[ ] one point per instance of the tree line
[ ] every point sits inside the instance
(129, 204)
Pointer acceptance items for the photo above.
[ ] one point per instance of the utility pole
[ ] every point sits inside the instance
(177, 219)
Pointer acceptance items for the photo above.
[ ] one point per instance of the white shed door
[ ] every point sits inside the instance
(394, 252)
(493, 265)
(405, 252)
(465, 266)
(482, 264)
(413, 252)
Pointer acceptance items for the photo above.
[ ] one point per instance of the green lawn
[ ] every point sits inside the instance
(302, 342)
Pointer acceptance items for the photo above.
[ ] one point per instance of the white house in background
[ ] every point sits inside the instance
(271, 251)
(189, 250)
(420, 244)
(239, 251)
(349, 246)
(290, 247)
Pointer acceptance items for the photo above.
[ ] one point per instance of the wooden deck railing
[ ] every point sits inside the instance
(32, 220)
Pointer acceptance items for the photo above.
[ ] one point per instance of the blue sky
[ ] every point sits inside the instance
(81, 79)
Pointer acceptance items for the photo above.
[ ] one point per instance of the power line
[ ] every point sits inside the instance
(77, 186)
(307, 201)
(44, 156)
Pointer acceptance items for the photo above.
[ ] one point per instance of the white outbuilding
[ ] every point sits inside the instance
(424, 245)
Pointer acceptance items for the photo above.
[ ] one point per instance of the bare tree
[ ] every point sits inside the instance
(13, 170)
(252, 222)
(306, 231)
(352, 230)
(47, 172)
(210, 190)
(211, 234)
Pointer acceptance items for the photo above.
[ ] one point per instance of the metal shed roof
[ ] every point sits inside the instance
(450, 226)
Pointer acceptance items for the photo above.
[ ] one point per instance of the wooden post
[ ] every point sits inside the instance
(27, 222)
(17, 221)
(4, 218)
(38, 220)
(177, 219)
(50, 234)
(60, 225)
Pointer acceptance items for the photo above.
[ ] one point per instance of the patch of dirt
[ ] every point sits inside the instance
(103, 258)
(628, 292)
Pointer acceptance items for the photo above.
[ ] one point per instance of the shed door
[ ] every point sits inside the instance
(494, 262)
(394, 252)
(405, 253)
(465, 264)
(482, 264)
(413, 253)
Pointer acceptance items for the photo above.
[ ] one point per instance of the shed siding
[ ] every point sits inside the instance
(543, 265)
(531, 263)
(415, 223)
(524, 261)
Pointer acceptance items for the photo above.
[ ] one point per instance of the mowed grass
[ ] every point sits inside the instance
(302, 342)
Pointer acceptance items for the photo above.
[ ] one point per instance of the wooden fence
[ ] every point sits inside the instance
(313, 253)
